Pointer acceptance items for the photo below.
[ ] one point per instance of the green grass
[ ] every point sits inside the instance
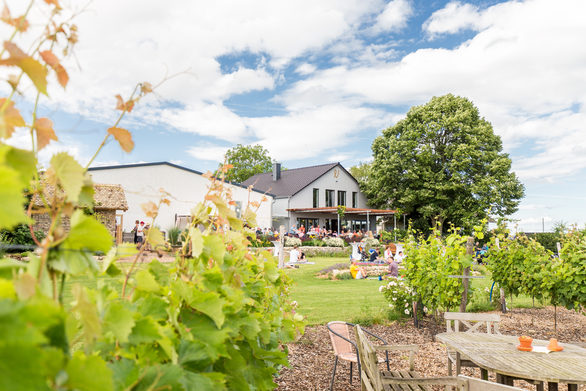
(359, 301)
(322, 301)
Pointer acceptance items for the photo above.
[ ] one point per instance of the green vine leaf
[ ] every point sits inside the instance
(87, 233)
(11, 198)
(88, 373)
(119, 321)
(70, 173)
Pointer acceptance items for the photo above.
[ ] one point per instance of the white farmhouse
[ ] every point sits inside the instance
(310, 196)
(142, 183)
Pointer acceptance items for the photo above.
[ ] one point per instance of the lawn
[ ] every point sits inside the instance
(322, 301)
(359, 301)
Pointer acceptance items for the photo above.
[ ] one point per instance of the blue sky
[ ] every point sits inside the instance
(317, 81)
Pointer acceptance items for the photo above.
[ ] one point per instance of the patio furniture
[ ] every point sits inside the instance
(469, 323)
(499, 353)
(372, 379)
(345, 348)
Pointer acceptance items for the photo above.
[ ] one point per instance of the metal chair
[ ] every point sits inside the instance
(345, 348)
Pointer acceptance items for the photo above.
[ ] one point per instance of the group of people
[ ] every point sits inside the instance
(139, 232)
(392, 260)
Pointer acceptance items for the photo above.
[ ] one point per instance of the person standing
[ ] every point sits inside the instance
(140, 234)
(135, 231)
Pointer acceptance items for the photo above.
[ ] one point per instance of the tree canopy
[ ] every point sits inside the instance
(247, 160)
(361, 172)
(444, 164)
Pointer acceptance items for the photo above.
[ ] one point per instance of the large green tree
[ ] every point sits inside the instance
(361, 172)
(443, 164)
(247, 160)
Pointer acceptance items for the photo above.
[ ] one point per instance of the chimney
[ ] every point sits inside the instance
(276, 171)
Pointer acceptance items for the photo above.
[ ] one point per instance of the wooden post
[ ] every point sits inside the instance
(281, 246)
(502, 290)
(465, 279)
(559, 248)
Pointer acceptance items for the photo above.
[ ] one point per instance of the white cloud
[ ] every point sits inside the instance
(394, 17)
(305, 69)
(208, 152)
(453, 18)
(313, 131)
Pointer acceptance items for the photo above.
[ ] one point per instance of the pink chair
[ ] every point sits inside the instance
(346, 349)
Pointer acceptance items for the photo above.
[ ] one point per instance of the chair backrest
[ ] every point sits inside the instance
(471, 322)
(340, 345)
(471, 384)
(370, 375)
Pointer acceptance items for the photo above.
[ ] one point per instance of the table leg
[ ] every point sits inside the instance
(458, 363)
(552, 386)
(483, 374)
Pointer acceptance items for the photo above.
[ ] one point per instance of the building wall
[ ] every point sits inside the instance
(335, 179)
(141, 184)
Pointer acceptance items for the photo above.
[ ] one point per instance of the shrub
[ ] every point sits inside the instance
(331, 241)
(399, 295)
(371, 243)
(291, 241)
(174, 234)
(19, 238)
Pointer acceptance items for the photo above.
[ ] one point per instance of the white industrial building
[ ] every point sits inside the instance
(142, 183)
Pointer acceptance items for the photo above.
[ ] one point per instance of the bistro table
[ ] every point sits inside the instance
(499, 353)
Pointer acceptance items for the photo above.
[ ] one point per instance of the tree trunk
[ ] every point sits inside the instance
(281, 246)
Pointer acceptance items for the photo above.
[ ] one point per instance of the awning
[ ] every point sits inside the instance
(348, 211)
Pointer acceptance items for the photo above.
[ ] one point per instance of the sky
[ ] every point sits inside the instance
(316, 81)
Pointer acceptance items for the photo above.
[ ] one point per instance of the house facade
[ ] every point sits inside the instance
(187, 187)
(311, 196)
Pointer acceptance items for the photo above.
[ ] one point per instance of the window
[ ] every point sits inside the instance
(341, 197)
(316, 198)
(329, 198)
(308, 224)
(355, 199)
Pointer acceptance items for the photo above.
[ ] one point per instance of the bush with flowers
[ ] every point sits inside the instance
(399, 295)
(334, 242)
(291, 241)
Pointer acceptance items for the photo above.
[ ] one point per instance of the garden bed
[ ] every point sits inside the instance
(311, 357)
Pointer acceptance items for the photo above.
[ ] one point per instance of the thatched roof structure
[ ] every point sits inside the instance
(106, 197)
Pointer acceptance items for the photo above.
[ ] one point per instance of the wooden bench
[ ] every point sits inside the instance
(372, 379)
(469, 323)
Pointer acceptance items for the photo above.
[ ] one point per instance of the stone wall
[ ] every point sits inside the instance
(107, 217)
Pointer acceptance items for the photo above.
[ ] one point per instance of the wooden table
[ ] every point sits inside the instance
(499, 353)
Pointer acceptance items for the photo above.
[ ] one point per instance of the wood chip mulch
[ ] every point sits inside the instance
(311, 357)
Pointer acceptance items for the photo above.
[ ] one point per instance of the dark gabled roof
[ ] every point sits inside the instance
(171, 165)
(292, 180)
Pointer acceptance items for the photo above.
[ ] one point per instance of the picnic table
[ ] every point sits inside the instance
(499, 353)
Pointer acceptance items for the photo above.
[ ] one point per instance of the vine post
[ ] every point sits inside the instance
(502, 290)
(466, 274)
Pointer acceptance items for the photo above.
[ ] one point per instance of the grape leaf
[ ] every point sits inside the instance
(144, 331)
(34, 69)
(45, 132)
(70, 174)
(87, 313)
(21, 368)
(20, 160)
(123, 137)
(210, 304)
(55, 64)
(119, 321)
(9, 119)
(155, 237)
(88, 373)
(145, 281)
(11, 198)
(86, 233)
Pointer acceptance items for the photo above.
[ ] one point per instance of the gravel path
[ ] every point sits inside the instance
(311, 357)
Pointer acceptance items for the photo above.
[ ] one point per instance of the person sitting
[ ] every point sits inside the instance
(373, 255)
(357, 272)
(393, 268)
(294, 255)
(399, 257)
